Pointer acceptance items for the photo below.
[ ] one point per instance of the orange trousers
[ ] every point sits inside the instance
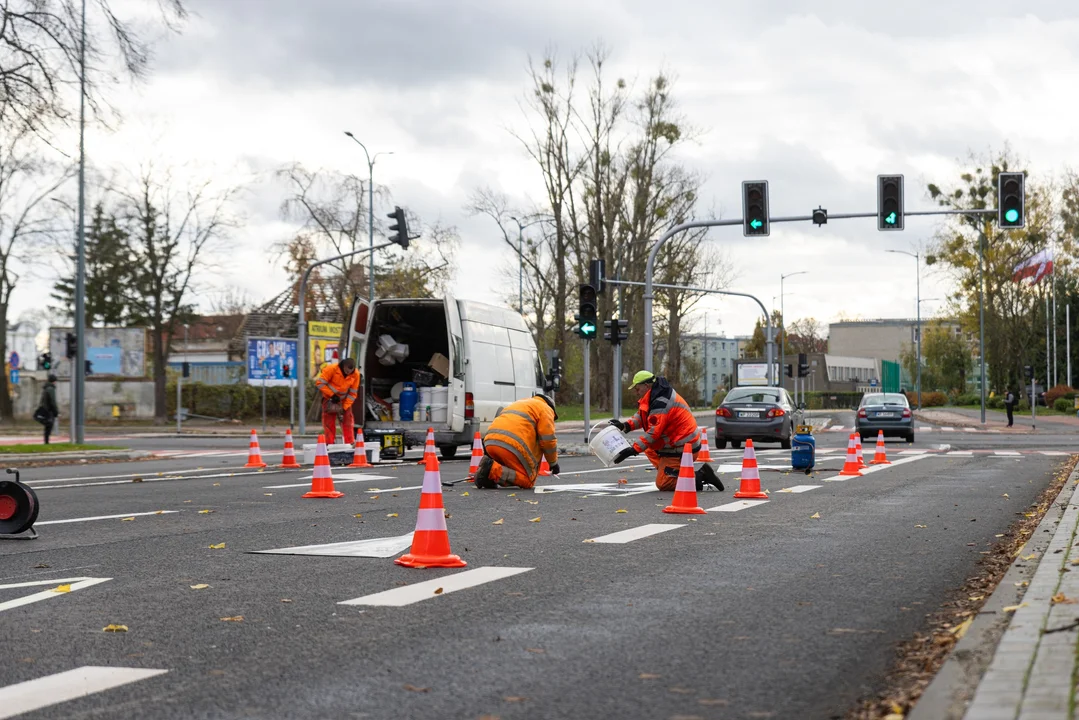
(506, 469)
(329, 427)
(664, 481)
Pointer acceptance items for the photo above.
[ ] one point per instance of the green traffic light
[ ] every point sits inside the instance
(890, 218)
(588, 329)
(1011, 215)
(755, 223)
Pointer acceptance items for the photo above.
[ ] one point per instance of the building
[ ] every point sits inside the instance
(205, 339)
(827, 373)
(717, 353)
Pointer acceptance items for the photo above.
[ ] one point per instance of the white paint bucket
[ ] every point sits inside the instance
(608, 445)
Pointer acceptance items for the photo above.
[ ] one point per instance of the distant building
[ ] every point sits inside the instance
(206, 339)
(717, 353)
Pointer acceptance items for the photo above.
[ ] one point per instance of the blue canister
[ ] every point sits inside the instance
(803, 450)
(408, 399)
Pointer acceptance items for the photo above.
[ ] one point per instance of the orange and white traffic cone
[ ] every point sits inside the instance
(685, 492)
(321, 477)
(428, 447)
(850, 466)
(749, 487)
(881, 457)
(704, 454)
(431, 541)
(254, 454)
(359, 456)
(545, 468)
(288, 459)
(858, 451)
(477, 455)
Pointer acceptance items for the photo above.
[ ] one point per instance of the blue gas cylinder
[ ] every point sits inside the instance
(803, 450)
(408, 399)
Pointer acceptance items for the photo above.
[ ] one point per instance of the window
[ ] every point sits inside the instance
(724, 363)
(713, 378)
(714, 361)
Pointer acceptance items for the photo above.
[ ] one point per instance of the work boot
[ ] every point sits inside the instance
(483, 474)
(705, 475)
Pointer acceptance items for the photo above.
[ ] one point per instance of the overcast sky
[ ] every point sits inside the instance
(816, 97)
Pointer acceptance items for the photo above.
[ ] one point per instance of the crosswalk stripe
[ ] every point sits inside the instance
(54, 689)
(737, 505)
(964, 453)
(401, 596)
(800, 488)
(948, 429)
(912, 452)
(104, 517)
(1007, 453)
(625, 536)
(1053, 453)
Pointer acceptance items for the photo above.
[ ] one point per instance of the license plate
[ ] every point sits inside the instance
(749, 415)
(885, 414)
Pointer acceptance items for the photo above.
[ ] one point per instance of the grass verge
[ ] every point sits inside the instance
(41, 449)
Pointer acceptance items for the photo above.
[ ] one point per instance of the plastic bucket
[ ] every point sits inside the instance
(609, 445)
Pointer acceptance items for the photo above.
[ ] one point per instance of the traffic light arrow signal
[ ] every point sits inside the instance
(890, 218)
(754, 223)
(587, 328)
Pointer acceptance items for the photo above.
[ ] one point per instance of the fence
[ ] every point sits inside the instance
(212, 373)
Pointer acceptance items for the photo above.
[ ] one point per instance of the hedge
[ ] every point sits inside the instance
(821, 400)
(1056, 392)
(234, 402)
(1062, 404)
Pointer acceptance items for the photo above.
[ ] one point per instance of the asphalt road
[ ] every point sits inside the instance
(753, 611)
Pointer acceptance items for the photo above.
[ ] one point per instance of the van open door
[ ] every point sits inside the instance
(457, 365)
(359, 324)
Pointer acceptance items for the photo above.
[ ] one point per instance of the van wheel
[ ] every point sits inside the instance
(447, 451)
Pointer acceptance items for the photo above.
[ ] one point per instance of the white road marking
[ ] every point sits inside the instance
(625, 536)
(164, 475)
(1053, 453)
(918, 455)
(736, 506)
(837, 428)
(613, 468)
(1007, 453)
(145, 479)
(399, 597)
(948, 429)
(53, 689)
(964, 453)
(925, 428)
(970, 429)
(912, 452)
(825, 451)
(338, 478)
(76, 584)
(372, 547)
(104, 517)
(800, 488)
(602, 489)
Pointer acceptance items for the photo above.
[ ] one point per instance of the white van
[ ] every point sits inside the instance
(490, 360)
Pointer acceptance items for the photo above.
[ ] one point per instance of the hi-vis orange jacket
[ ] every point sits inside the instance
(526, 429)
(667, 421)
(333, 384)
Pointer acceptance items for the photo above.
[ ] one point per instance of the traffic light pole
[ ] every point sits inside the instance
(587, 380)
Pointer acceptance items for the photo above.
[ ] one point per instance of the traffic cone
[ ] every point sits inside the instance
(288, 459)
(431, 541)
(704, 454)
(750, 486)
(428, 447)
(858, 451)
(359, 457)
(850, 466)
(254, 454)
(477, 453)
(321, 477)
(881, 457)
(545, 468)
(685, 492)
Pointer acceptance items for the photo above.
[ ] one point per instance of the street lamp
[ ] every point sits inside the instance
(370, 209)
(783, 322)
(918, 303)
(521, 262)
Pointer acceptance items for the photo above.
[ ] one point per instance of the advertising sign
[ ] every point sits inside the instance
(106, 360)
(269, 359)
(323, 339)
(754, 374)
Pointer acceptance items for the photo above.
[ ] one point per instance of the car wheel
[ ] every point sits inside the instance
(785, 443)
(447, 451)
(910, 437)
(736, 444)
(720, 444)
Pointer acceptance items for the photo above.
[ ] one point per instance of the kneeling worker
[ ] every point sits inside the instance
(515, 442)
(668, 425)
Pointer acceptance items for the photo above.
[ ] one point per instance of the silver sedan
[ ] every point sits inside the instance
(761, 414)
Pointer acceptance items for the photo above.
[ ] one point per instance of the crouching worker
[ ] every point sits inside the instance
(517, 441)
(668, 425)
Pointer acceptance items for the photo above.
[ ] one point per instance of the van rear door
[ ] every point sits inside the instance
(359, 325)
(457, 365)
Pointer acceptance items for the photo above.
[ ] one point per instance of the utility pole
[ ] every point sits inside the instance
(587, 379)
(370, 212)
(78, 377)
(783, 326)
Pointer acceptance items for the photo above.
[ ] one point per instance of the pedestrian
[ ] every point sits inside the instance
(1009, 405)
(517, 441)
(668, 426)
(47, 410)
(340, 386)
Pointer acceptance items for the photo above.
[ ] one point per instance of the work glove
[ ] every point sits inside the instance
(622, 427)
(555, 470)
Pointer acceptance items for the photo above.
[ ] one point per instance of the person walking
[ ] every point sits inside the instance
(47, 410)
(1009, 406)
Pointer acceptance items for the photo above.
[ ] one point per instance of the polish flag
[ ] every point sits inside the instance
(1036, 267)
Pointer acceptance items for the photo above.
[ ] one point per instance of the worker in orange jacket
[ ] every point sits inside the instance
(519, 437)
(340, 386)
(668, 426)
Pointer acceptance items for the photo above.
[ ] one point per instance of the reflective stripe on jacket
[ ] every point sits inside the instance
(332, 383)
(666, 419)
(525, 429)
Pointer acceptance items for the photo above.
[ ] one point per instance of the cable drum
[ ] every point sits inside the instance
(18, 507)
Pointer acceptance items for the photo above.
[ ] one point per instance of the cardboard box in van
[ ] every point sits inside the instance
(440, 364)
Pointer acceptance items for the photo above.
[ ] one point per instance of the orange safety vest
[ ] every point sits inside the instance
(666, 419)
(526, 429)
(333, 383)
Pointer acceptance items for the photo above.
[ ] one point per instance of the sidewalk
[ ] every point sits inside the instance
(995, 419)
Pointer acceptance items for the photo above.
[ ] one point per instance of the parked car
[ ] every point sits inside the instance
(889, 412)
(761, 414)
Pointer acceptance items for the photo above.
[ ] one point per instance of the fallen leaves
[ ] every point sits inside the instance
(200, 586)
(535, 519)
(464, 494)
(649, 676)
(358, 515)
(815, 516)
(62, 588)
(961, 629)
(538, 651)
(1012, 608)
(1062, 599)
(127, 519)
(499, 521)
(438, 591)
(114, 628)
(413, 688)
(391, 514)
(1030, 556)
(205, 512)
(218, 546)
(234, 618)
(285, 600)
(621, 510)
(1005, 495)
(921, 526)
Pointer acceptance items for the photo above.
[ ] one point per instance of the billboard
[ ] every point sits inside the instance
(754, 374)
(323, 339)
(111, 351)
(268, 359)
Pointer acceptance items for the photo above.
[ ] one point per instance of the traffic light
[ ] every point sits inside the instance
(185, 369)
(1028, 372)
(614, 334)
(71, 345)
(889, 202)
(755, 208)
(89, 367)
(586, 295)
(1011, 206)
(790, 370)
(45, 361)
(400, 235)
(285, 371)
(803, 365)
(596, 271)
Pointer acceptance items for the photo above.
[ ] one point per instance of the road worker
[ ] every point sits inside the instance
(668, 425)
(517, 441)
(339, 384)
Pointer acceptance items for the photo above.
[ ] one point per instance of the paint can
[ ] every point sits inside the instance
(610, 446)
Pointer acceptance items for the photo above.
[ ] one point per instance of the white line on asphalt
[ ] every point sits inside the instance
(1053, 453)
(267, 471)
(613, 468)
(737, 505)
(969, 429)
(877, 468)
(625, 536)
(1008, 453)
(964, 453)
(399, 597)
(800, 488)
(372, 547)
(948, 429)
(342, 478)
(912, 452)
(925, 428)
(104, 517)
(62, 687)
(76, 584)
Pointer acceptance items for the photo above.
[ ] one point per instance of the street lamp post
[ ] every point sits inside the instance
(918, 332)
(783, 325)
(370, 209)
(521, 262)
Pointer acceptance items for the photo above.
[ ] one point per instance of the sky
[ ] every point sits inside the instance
(816, 97)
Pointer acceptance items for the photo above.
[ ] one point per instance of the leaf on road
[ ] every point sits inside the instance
(713, 701)
(234, 618)
(512, 495)
(921, 526)
(649, 676)
(975, 598)
(219, 546)
(285, 600)
(391, 514)
(896, 708)
(538, 651)
(680, 690)
(532, 502)
(217, 484)
(1005, 495)
(623, 481)
(114, 628)
(268, 494)
(413, 688)
(514, 698)
(438, 591)
(999, 535)
(815, 516)
(961, 629)
(1062, 599)
(136, 479)
(1012, 608)
(535, 519)
(205, 512)
(62, 588)
(159, 512)
(1030, 556)
(621, 510)
(200, 586)
(499, 521)
(126, 519)
(358, 515)
(188, 501)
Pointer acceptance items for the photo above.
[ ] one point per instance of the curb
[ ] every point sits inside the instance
(951, 693)
(76, 457)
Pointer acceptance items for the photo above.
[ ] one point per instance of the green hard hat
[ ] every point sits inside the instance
(641, 378)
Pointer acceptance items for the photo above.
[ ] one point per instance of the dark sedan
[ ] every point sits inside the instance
(889, 412)
(761, 414)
